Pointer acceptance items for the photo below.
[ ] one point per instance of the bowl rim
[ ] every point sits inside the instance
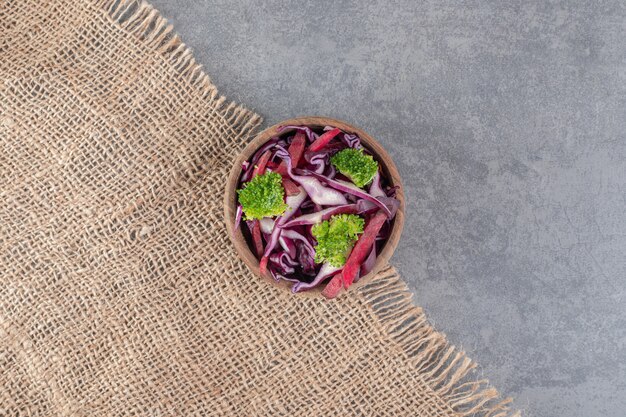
(230, 199)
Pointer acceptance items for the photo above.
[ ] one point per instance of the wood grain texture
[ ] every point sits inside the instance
(230, 198)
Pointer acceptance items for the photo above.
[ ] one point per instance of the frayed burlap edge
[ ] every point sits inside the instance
(445, 369)
(145, 23)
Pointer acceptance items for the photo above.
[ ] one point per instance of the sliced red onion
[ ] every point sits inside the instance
(322, 215)
(310, 134)
(245, 165)
(320, 194)
(352, 189)
(238, 214)
(325, 271)
(375, 189)
(267, 225)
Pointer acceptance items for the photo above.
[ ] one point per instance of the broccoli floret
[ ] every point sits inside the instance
(263, 196)
(335, 238)
(357, 166)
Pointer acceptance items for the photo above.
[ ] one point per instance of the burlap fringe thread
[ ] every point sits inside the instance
(439, 364)
(146, 23)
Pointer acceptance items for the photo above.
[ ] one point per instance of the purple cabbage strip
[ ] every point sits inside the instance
(321, 195)
(284, 261)
(375, 188)
(393, 204)
(352, 141)
(308, 203)
(354, 190)
(306, 251)
(278, 276)
(366, 207)
(326, 271)
(292, 234)
(306, 259)
(330, 149)
(391, 192)
(368, 264)
(322, 215)
(293, 201)
(310, 134)
(255, 158)
(267, 225)
(319, 161)
(288, 245)
(331, 171)
(238, 214)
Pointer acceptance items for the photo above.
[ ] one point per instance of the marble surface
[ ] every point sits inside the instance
(507, 121)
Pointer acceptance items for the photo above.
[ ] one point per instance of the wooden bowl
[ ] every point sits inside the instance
(230, 199)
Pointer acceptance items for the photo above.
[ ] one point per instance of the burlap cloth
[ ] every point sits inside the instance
(120, 293)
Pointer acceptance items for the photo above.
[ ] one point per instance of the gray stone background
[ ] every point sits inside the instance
(507, 121)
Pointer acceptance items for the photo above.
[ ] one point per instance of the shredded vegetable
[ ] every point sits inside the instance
(317, 208)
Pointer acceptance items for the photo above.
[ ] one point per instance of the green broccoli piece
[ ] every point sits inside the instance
(335, 238)
(263, 196)
(357, 166)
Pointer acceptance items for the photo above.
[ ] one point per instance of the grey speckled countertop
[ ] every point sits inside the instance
(507, 121)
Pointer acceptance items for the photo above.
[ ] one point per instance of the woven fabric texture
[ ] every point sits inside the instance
(120, 293)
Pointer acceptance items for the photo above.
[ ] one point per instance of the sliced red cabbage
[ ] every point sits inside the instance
(352, 140)
(330, 150)
(267, 225)
(310, 134)
(292, 234)
(365, 207)
(278, 276)
(391, 192)
(325, 271)
(319, 161)
(319, 216)
(306, 259)
(238, 214)
(255, 158)
(369, 262)
(330, 172)
(352, 189)
(293, 202)
(320, 194)
(284, 262)
(308, 203)
(375, 188)
(288, 245)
